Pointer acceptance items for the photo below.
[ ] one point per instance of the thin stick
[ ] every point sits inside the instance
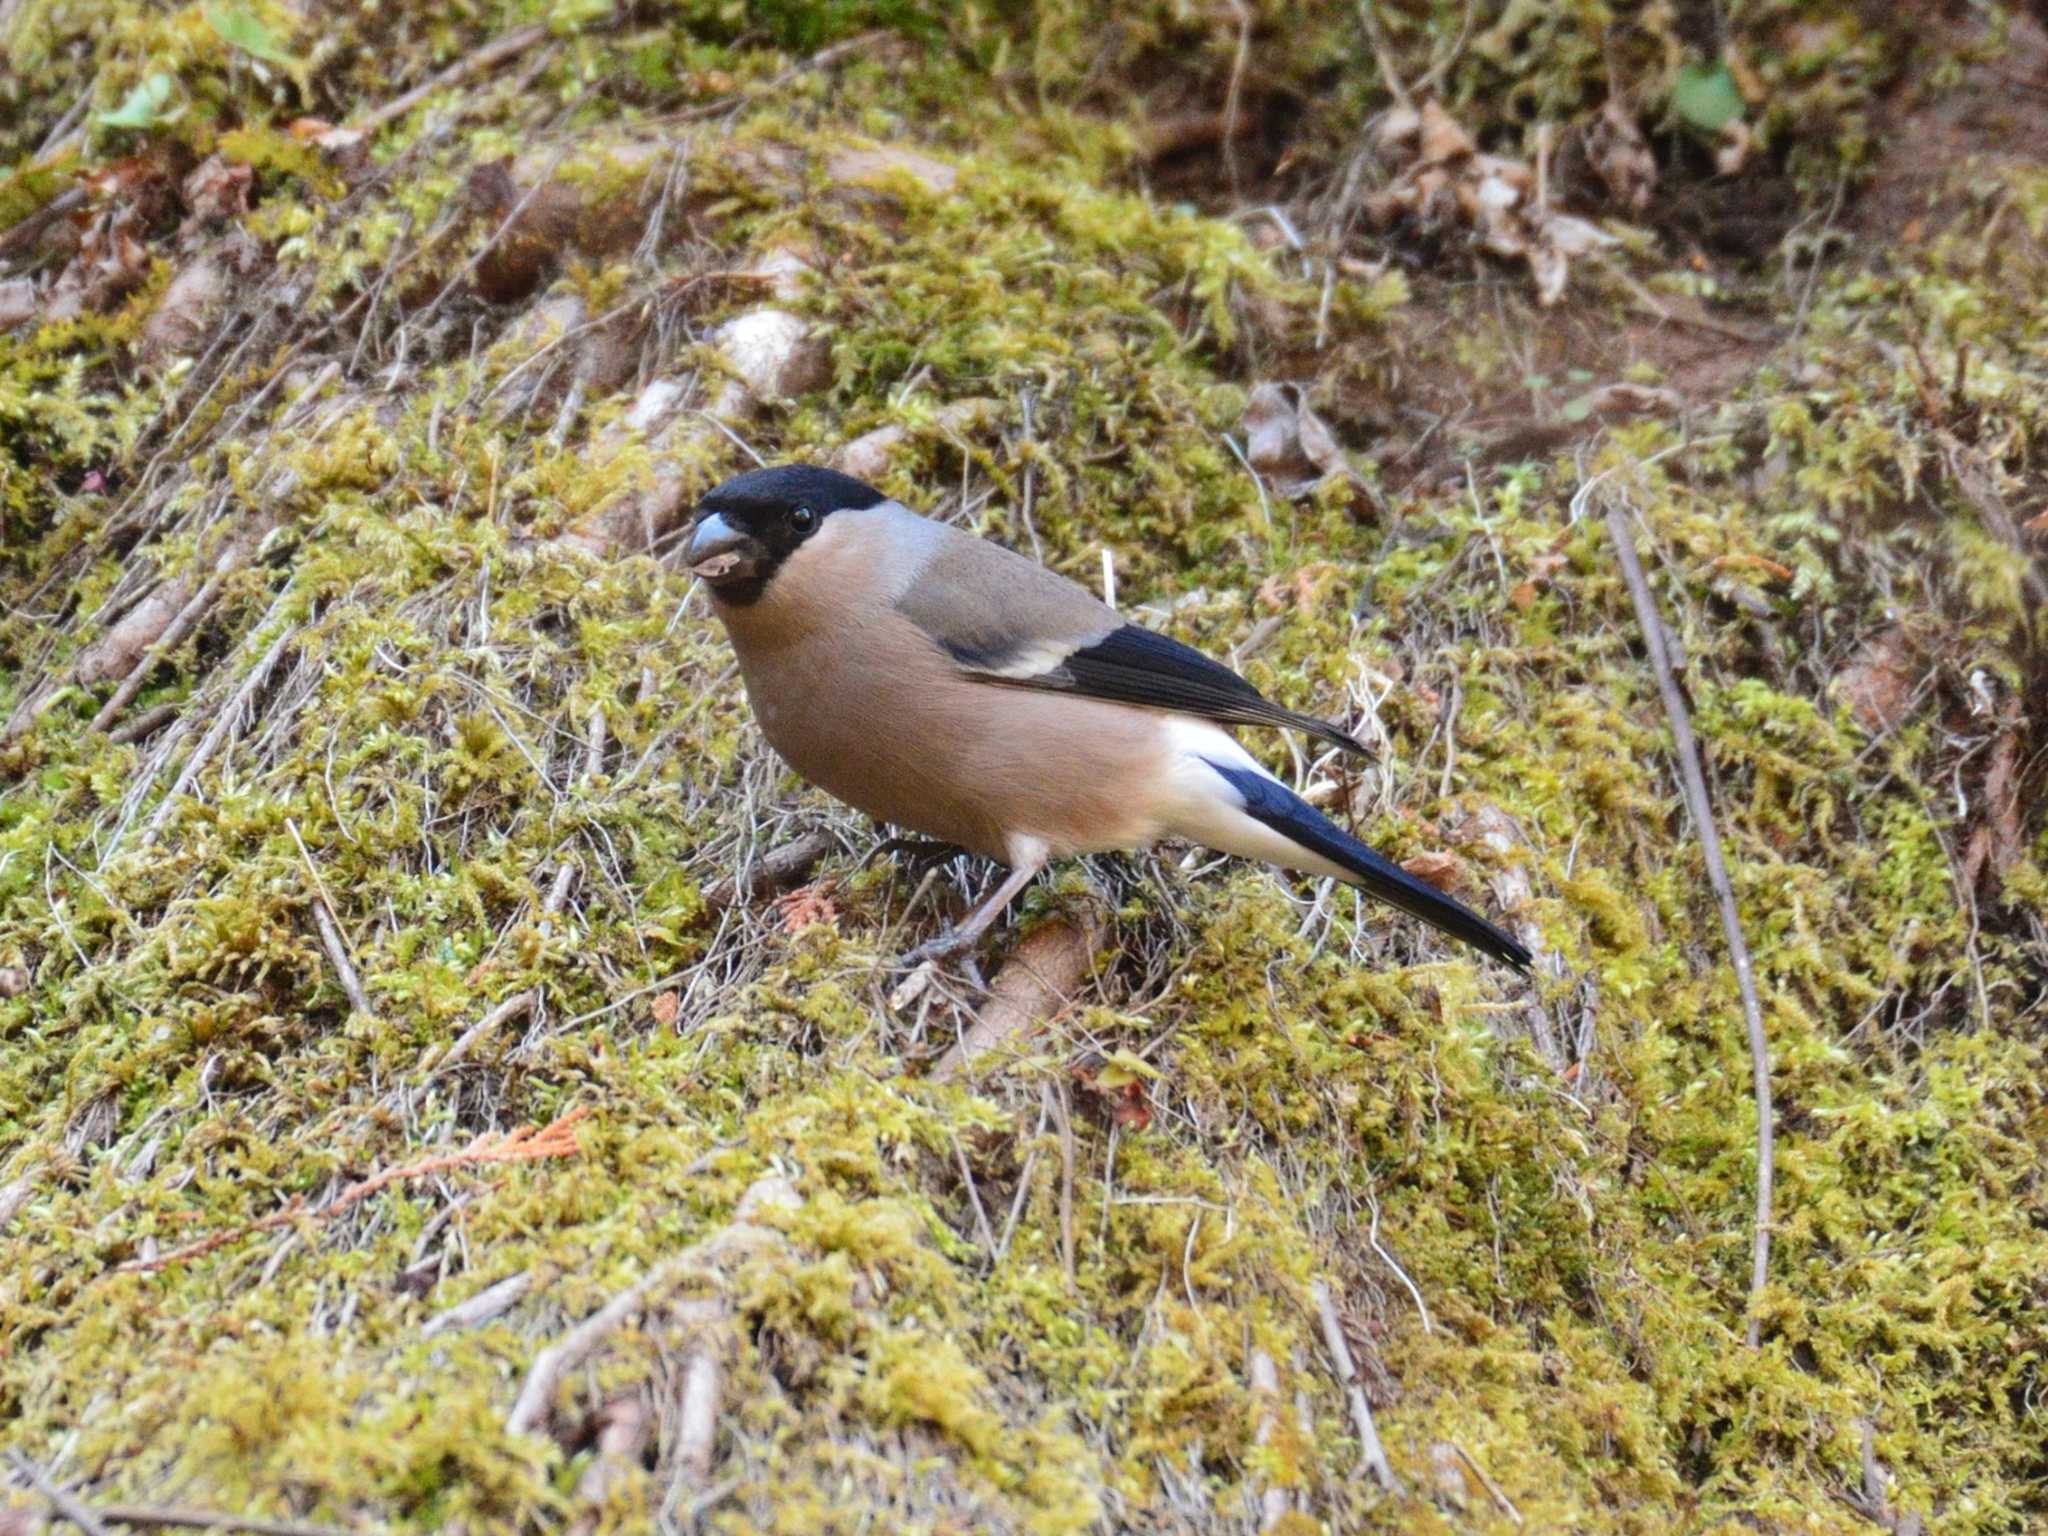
(517, 1006)
(697, 1419)
(78, 1514)
(21, 234)
(776, 870)
(165, 1517)
(487, 57)
(536, 1400)
(981, 1226)
(1055, 1099)
(181, 625)
(146, 724)
(1700, 809)
(1507, 1505)
(330, 931)
(488, 1303)
(528, 1144)
(1378, 38)
(210, 743)
(1370, 1450)
(1274, 1504)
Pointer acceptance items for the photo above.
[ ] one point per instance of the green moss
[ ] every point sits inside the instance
(1533, 1207)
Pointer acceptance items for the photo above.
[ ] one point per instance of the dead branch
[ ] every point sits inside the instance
(1693, 781)
(1056, 1101)
(28, 229)
(1872, 1500)
(1369, 1448)
(78, 1514)
(535, 1404)
(697, 1433)
(145, 725)
(170, 1518)
(517, 1006)
(1274, 1504)
(330, 931)
(491, 1302)
(1493, 1489)
(488, 57)
(1033, 987)
(174, 633)
(777, 870)
(217, 734)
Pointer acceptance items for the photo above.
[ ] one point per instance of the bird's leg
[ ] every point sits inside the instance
(962, 937)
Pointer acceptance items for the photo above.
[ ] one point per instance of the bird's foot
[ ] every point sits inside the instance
(949, 945)
(919, 966)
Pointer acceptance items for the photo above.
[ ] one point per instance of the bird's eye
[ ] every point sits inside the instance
(803, 519)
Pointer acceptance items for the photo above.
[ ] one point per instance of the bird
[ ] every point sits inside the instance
(942, 683)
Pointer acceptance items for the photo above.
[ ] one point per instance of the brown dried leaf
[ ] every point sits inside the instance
(1995, 842)
(1620, 157)
(1441, 137)
(1878, 682)
(1445, 871)
(110, 261)
(185, 318)
(1133, 1107)
(218, 188)
(1288, 443)
(1398, 128)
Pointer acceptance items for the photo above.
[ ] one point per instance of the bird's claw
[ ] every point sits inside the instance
(920, 965)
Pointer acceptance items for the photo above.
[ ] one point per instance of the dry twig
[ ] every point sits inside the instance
(78, 1514)
(165, 1517)
(488, 57)
(1693, 781)
(330, 931)
(774, 871)
(553, 1365)
(490, 1302)
(1274, 1504)
(223, 724)
(526, 1145)
(1369, 1448)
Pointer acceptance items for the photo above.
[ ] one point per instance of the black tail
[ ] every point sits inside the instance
(1286, 813)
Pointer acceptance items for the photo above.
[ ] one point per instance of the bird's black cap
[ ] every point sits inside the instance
(790, 485)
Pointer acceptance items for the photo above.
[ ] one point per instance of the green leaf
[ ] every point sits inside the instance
(1706, 97)
(241, 28)
(1122, 1068)
(144, 107)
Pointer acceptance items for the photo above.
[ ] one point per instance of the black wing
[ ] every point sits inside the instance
(1134, 665)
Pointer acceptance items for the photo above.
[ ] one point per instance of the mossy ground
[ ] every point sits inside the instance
(1002, 1306)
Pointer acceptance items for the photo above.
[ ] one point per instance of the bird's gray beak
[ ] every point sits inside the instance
(718, 551)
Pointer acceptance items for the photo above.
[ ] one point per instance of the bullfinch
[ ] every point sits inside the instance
(943, 683)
